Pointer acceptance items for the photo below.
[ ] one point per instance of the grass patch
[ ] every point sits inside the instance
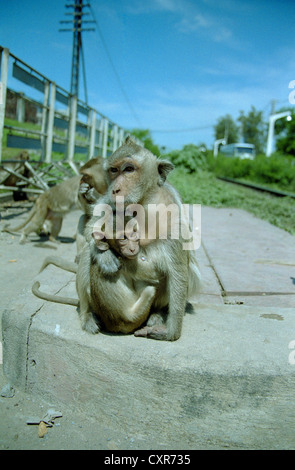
(203, 188)
(276, 171)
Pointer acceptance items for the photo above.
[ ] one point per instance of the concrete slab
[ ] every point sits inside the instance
(250, 255)
(21, 263)
(227, 383)
(211, 289)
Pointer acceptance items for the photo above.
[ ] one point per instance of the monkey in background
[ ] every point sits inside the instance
(93, 185)
(52, 205)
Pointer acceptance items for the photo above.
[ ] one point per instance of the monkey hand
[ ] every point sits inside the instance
(84, 187)
(108, 263)
(87, 192)
(154, 332)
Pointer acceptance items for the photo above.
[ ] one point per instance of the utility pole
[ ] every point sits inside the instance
(77, 22)
(271, 127)
(273, 107)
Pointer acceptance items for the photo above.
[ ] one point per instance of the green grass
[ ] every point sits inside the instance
(203, 188)
(276, 171)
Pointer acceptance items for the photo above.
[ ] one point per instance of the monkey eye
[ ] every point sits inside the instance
(113, 169)
(129, 169)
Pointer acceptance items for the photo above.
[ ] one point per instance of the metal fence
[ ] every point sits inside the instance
(65, 124)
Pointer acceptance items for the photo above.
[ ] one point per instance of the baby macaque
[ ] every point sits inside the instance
(117, 303)
(125, 244)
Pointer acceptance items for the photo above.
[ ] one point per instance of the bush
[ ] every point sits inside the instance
(232, 167)
(277, 170)
(191, 158)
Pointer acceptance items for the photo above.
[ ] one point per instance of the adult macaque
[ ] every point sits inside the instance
(93, 185)
(139, 177)
(52, 205)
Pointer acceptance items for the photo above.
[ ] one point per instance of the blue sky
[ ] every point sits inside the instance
(182, 63)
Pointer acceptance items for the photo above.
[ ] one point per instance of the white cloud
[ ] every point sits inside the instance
(190, 18)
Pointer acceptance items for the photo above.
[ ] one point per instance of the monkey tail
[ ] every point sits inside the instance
(59, 263)
(53, 298)
(6, 229)
(12, 230)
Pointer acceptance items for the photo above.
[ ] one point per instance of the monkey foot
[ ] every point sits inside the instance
(155, 332)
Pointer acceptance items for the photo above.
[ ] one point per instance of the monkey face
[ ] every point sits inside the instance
(125, 177)
(128, 243)
(135, 173)
(128, 248)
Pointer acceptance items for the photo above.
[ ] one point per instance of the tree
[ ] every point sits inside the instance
(253, 129)
(226, 128)
(145, 136)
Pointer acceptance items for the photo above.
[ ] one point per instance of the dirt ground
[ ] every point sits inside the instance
(72, 431)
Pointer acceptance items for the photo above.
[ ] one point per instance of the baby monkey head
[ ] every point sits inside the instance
(124, 243)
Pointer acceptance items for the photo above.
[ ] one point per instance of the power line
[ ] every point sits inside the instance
(114, 69)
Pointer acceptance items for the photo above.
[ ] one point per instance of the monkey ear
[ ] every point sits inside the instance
(129, 140)
(164, 168)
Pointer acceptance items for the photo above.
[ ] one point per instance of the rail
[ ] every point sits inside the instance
(274, 192)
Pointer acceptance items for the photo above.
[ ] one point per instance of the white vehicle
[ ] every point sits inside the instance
(238, 150)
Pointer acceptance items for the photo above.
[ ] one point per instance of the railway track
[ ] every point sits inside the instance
(257, 187)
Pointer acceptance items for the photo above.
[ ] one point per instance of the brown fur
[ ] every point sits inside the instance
(137, 175)
(51, 206)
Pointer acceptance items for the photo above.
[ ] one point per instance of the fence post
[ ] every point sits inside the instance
(121, 136)
(105, 138)
(115, 137)
(3, 87)
(92, 134)
(50, 123)
(100, 135)
(72, 129)
(44, 121)
(20, 108)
